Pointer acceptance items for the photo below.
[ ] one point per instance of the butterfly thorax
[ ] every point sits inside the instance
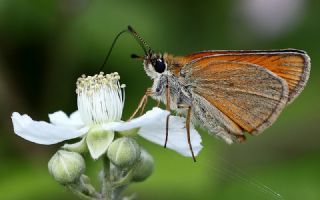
(168, 77)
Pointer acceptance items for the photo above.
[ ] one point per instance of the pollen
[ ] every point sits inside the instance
(93, 83)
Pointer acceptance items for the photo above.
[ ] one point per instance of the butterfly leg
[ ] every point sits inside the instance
(168, 109)
(188, 127)
(158, 103)
(240, 138)
(142, 103)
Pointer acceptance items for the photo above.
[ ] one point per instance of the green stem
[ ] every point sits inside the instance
(121, 184)
(79, 193)
(106, 190)
(84, 189)
(124, 180)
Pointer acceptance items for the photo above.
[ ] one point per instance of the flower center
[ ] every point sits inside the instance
(100, 98)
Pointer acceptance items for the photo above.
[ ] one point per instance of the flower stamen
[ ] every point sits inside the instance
(100, 98)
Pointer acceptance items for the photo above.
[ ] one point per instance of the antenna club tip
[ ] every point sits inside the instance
(130, 28)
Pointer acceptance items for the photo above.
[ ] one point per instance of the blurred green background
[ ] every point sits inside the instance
(46, 45)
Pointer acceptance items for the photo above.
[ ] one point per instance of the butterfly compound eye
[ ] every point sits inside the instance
(159, 65)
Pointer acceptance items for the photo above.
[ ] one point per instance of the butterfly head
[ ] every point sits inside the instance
(154, 65)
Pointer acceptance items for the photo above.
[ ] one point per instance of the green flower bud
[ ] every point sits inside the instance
(124, 152)
(66, 167)
(144, 167)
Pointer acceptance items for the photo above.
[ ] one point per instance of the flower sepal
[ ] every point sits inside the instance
(130, 132)
(98, 141)
(79, 147)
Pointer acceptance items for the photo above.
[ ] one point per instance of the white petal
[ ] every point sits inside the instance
(151, 117)
(59, 118)
(177, 138)
(42, 132)
(153, 128)
(98, 141)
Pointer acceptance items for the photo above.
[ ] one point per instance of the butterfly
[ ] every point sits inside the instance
(226, 92)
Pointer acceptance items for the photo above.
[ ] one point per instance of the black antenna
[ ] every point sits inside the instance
(146, 48)
(110, 50)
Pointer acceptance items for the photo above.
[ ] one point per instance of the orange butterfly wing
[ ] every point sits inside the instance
(248, 94)
(290, 64)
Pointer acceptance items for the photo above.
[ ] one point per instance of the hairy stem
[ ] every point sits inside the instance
(84, 190)
(106, 187)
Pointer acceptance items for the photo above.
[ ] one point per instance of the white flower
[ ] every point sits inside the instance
(100, 104)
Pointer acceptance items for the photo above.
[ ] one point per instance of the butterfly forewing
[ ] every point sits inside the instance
(248, 94)
(291, 65)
